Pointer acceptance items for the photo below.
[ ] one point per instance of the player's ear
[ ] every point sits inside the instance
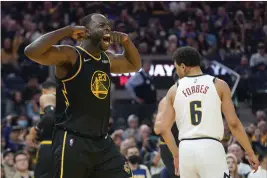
(88, 31)
(183, 66)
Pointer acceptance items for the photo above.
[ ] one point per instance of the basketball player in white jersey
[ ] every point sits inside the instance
(197, 104)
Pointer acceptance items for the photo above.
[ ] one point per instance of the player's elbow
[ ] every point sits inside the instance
(28, 51)
(234, 124)
(138, 66)
(165, 127)
(135, 67)
(157, 130)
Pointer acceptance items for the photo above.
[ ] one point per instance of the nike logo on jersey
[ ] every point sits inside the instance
(85, 60)
(105, 61)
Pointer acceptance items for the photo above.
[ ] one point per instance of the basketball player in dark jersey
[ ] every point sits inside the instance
(44, 130)
(165, 153)
(81, 145)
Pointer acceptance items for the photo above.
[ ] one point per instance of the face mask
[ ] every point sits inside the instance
(134, 159)
(23, 123)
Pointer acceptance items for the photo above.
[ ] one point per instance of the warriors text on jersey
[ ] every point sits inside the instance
(198, 108)
(86, 91)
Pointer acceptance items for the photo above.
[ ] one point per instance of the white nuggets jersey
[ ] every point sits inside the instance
(198, 108)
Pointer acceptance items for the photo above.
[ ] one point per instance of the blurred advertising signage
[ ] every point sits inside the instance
(162, 70)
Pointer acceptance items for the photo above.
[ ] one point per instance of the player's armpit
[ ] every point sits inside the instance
(56, 55)
(121, 63)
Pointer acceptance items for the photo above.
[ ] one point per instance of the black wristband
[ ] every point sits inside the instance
(49, 108)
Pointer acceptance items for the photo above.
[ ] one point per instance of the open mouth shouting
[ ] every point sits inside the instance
(106, 39)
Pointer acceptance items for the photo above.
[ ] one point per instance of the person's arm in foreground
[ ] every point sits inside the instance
(168, 114)
(157, 125)
(234, 123)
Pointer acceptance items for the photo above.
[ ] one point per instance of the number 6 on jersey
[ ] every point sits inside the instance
(195, 112)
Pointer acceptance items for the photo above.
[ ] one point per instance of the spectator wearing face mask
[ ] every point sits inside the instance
(8, 163)
(23, 121)
(22, 165)
(133, 157)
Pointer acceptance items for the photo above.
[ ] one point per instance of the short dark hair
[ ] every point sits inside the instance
(49, 84)
(87, 19)
(19, 153)
(187, 55)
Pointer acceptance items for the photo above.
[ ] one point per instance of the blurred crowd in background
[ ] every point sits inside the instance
(232, 33)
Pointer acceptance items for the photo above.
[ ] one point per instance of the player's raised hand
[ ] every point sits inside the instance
(253, 161)
(119, 37)
(78, 32)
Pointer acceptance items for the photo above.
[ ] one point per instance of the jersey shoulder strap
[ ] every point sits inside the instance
(75, 69)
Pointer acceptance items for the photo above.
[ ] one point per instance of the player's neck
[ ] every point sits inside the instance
(194, 71)
(91, 48)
